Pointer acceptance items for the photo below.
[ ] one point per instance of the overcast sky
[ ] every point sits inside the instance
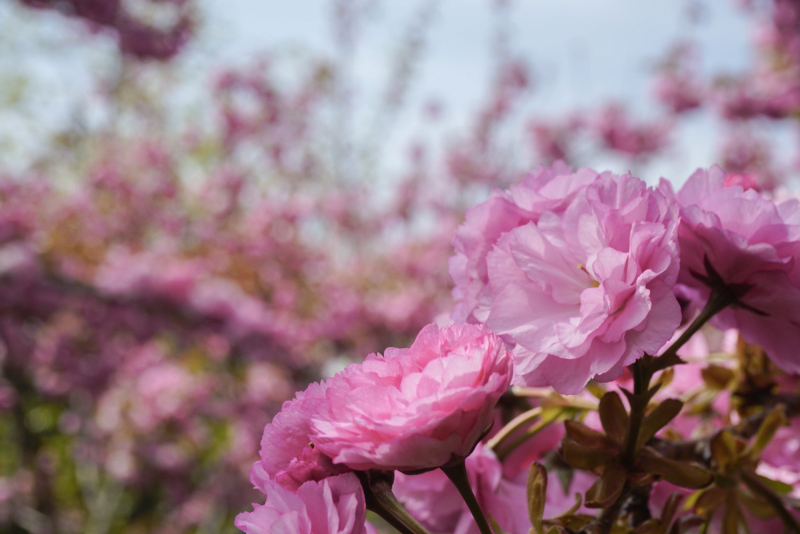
(583, 53)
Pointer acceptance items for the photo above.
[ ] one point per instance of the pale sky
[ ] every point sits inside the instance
(583, 53)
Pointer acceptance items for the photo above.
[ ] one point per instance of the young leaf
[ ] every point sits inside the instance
(581, 457)
(613, 417)
(586, 437)
(575, 507)
(537, 494)
(496, 527)
(658, 419)
(684, 474)
(723, 450)
(709, 500)
(772, 422)
(606, 489)
(716, 376)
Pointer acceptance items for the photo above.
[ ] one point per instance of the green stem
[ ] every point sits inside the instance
(774, 500)
(512, 427)
(642, 374)
(458, 475)
(380, 499)
(528, 434)
(717, 301)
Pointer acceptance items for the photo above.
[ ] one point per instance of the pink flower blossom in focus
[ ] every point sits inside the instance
(582, 289)
(417, 408)
(547, 189)
(332, 506)
(743, 243)
(288, 455)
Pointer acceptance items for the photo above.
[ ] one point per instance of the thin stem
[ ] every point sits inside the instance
(642, 373)
(528, 434)
(458, 475)
(609, 516)
(527, 391)
(380, 499)
(717, 301)
(759, 488)
(641, 383)
(512, 427)
(553, 398)
(643, 370)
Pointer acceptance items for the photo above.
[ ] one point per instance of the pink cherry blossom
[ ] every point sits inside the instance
(560, 499)
(332, 506)
(547, 189)
(781, 458)
(740, 242)
(584, 289)
(417, 408)
(288, 455)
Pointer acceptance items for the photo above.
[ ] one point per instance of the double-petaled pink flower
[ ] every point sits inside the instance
(581, 289)
(547, 189)
(335, 505)
(417, 408)
(738, 242)
(287, 454)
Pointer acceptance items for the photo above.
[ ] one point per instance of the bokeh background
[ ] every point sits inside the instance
(205, 205)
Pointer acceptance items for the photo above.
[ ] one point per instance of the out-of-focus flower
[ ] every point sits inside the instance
(618, 133)
(417, 408)
(676, 85)
(678, 92)
(740, 243)
(137, 37)
(332, 506)
(583, 290)
(560, 499)
(781, 458)
(163, 392)
(750, 161)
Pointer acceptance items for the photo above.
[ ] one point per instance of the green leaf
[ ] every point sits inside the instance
(658, 419)
(756, 505)
(709, 500)
(670, 508)
(731, 518)
(606, 489)
(723, 451)
(537, 494)
(586, 437)
(585, 458)
(772, 422)
(684, 474)
(778, 487)
(613, 417)
(717, 377)
(495, 526)
(575, 507)
(651, 526)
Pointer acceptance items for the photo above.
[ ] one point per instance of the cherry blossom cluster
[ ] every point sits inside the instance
(163, 295)
(151, 30)
(577, 289)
